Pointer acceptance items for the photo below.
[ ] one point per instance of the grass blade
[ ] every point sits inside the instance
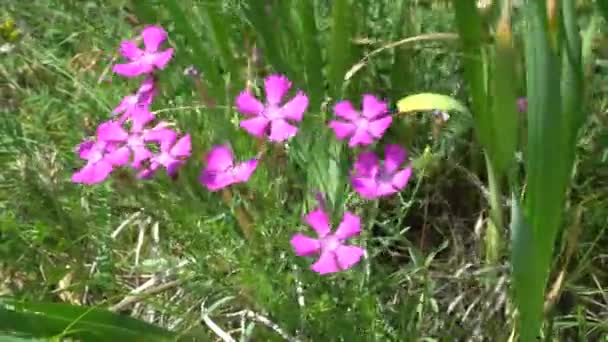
(340, 47)
(91, 324)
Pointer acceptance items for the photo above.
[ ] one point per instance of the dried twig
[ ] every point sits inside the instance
(265, 321)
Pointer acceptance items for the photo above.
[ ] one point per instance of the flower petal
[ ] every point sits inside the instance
(385, 189)
(130, 51)
(361, 137)
(220, 158)
(394, 156)
(140, 118)
(345, 110)
(111, 131)
(304, 245)
(373, 107)
(319, 221)
(132, 69)
(215, 180)
(256, 126)
(161, 59)
(401, 178)
(243, 171)
(377, 127)
(153, 36)
(85, 148)
(342, 129)
(139, 155)
(119, 157)
(93, 173)
(281, 130)
(295, 108)
(348, 256)
(365, 187)
(349, 227)
(164, 136)
(366, 164)
(327, 263)
(247, 104)
(276, 86)
(182, 147)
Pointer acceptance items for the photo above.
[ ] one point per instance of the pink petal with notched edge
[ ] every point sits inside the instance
(182, 147)
(348, 256)
(129, 50)
(85, 148)
(401, 178)
(140, 118)
(377, 127)
(365, 187)
(345, 110)
(342, 129)
(295, 108)
(327, 263)
(394, 156)
(173, 166)
(161, 59)
(159, 134)
(93, 173)
(139, 155)
(349, 227)
(372, 107)
(243, 171)
(132, 69)
(281, 130)
(255, 126)
(119, 157)
(111, 131)
(276, 86)
(216, 180)
(319, 221)
(385, 189)
(304, 245)
(361, 137)
(153, 36)
(366, 164)
(247, 104)
(220, 158)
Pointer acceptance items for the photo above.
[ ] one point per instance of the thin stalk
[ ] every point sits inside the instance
(493, 239)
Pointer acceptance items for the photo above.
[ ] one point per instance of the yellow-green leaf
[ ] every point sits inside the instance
(430, 101)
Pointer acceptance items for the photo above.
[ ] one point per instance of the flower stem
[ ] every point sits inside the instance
(493, 238)
(242, 216)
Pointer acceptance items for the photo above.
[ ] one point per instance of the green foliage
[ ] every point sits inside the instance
(426, 276)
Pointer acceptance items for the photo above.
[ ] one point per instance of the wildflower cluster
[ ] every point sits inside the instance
(131, 137)
(275, 120)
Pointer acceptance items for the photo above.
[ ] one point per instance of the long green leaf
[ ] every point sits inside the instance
(313, 62)
(547, 160)
(91, 324)
(340, 47)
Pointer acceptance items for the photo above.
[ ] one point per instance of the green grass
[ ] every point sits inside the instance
(426, 277)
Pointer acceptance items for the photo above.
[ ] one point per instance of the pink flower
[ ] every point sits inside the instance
(134, 143)
(372, 180)
(101, 158)
(222, 171)
(172, 155)
(132, 105)
(273, 113)
(334, 255)
(362, 128)
(144, 61)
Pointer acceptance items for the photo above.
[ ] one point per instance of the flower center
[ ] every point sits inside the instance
(135, 140)
(330, 243)
(362, 123)
(272, 112)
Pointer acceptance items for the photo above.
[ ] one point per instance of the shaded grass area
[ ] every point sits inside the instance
(424, 276)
